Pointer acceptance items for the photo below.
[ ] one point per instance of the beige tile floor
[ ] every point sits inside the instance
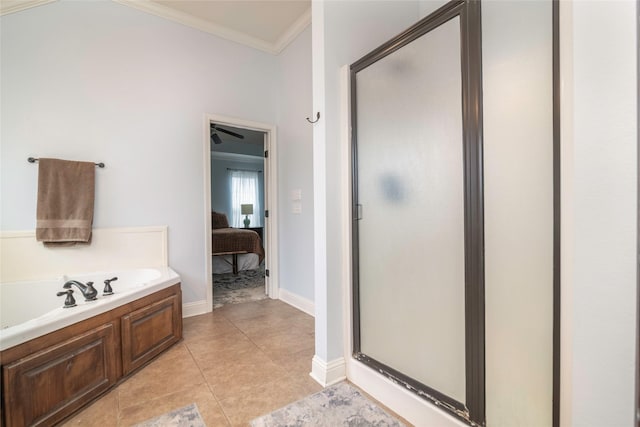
(237, 363)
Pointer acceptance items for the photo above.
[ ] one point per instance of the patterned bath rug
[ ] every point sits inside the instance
(335, 406)
(229, 288)
(189, 416)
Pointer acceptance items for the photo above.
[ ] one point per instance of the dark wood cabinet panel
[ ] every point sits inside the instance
(49, 385)
(149, 331)
(47, 379)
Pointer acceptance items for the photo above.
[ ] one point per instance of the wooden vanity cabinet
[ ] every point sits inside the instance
(45, 387)
(149, 331)
(49, 378)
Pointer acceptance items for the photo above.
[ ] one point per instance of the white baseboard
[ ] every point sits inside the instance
(195, 308)
(328, 373)
(408, 405)
(297, 301)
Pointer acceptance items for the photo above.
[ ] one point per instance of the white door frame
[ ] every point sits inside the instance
(270, 199)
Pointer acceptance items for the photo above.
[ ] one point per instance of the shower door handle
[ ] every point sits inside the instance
(357, 212)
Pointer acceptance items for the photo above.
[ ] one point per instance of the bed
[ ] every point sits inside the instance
(234, 249)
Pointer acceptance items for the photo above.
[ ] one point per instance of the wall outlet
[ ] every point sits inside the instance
(296, 208)
(296, 195)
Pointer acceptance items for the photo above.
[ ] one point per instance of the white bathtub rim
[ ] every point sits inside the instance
(61, 317)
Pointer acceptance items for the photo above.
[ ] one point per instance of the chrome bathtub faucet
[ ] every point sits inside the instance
(88, 291)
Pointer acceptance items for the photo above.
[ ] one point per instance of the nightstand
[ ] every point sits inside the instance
(257, 230)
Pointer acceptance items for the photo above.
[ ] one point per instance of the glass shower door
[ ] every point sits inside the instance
(413, 218)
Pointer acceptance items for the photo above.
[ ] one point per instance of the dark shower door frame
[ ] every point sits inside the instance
(469, 12)
(473, 410)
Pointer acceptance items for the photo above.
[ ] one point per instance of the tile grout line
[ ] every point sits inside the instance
(118, 414)
(233, 323)
(287, 375)
(209, 387)
(263, 349)
(269, 314)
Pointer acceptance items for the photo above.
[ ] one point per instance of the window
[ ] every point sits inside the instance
(245, 189)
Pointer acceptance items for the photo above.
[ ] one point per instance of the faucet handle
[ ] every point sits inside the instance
(107, 286)
(69, 301)
(90, 293)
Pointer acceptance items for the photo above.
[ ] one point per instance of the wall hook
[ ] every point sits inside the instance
(316, 120)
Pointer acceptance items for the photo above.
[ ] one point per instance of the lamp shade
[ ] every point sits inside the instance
(246, 209)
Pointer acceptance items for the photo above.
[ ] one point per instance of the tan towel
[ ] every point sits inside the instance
(66, 192)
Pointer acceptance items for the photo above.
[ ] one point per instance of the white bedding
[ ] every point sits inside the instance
(224, 264)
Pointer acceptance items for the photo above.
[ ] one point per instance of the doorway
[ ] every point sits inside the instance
(240, 197)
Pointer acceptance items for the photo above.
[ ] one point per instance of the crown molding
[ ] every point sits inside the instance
(293, 31)
(218, 30)
(17, 7)
(193, 22)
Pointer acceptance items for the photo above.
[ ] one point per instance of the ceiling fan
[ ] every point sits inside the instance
(214, 134)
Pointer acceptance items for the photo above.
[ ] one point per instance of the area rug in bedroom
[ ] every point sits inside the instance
(335, 406)
(246, 286)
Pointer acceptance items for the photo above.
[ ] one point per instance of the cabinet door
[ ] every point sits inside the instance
(149, 331)
(45, 387)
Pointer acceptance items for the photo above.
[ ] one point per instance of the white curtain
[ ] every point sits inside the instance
(245, 189)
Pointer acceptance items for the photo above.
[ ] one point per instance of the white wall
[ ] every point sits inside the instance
(599, 228)
(343, 31)
(295, 163)
(103, 82)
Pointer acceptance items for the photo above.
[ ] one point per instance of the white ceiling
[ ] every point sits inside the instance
(268, 25)
(11, 6)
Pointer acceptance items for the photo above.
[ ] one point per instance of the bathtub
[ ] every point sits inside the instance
(31, 309)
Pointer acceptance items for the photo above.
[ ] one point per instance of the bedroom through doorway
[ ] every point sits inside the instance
(238, 214)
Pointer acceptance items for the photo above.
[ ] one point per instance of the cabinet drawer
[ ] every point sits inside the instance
(52, 383)
(149, 331)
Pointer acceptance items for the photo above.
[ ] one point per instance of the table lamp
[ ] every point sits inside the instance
(246, 210)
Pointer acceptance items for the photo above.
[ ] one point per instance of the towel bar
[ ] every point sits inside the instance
(34, 160)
